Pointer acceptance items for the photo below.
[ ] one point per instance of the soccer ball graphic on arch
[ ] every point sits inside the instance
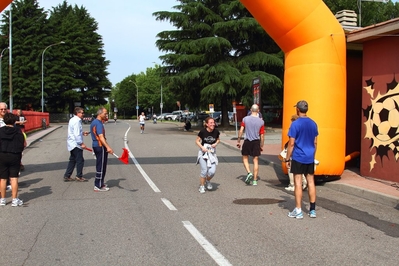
(382, 122)
(384, 118)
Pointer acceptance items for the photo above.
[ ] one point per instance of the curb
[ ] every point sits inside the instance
(365, 194)
(40, 134)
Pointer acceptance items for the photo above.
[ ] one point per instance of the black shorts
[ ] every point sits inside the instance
(298, 168)
(251, 148)
(10, 164)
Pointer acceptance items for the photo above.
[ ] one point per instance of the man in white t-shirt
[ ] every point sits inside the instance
(142, 122)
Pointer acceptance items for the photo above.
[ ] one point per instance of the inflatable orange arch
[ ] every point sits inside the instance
(315, 70)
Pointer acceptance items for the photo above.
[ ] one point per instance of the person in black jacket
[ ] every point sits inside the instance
(187, 125)
(12, 143)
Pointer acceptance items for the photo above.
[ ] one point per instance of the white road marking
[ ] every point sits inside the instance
(144, 174)
(169, 204)
(208, 247)
(211, 250)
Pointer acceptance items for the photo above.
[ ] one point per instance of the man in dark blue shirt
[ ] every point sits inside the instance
(100, 148)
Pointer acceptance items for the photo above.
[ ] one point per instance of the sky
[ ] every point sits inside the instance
(128, 29)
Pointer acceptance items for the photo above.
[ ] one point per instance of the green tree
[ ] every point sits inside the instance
(30, 33)
(81, 76)
(149, 91)
(73, 72)
(215, 52)
(124, 94)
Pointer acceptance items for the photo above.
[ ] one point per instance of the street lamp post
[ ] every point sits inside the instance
(1, 77)
(137, 98)
(62, 42)
(161, 104)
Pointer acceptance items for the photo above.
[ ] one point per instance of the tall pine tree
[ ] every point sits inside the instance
(73, 72)
(215, 52)
(81, 76)
(29, 33)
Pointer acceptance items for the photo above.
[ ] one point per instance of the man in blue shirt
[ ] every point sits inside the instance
(75, 146)
(100, 148)
(302, 149)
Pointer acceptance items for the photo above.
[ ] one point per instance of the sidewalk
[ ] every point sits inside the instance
(38, 135)
(351, 182)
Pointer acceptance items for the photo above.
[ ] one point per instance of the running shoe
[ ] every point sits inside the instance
(249, 178)
(209, 185)
(16, 202)
(295, 214)
(290, 188)
(255, 182)
(8, 188)
(312, 214)
(102, 189)
(201, 189)
(3, 202)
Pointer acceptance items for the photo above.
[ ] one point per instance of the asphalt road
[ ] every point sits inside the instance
(154, 214)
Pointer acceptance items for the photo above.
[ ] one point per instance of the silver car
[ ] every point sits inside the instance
(163, 116)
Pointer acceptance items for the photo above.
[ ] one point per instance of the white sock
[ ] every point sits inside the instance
(298, 210)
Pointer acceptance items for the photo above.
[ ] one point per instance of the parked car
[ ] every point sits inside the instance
(202, 116)
(163, 116)
(185, 116)
(170, 117)
(176, 115)
(217, 116)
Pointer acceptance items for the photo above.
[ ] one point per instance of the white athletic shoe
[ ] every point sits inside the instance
(290, 188)
(3, 202)
(16, 202)
(102, 189)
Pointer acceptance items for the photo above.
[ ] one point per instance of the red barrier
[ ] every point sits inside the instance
(34, 120)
